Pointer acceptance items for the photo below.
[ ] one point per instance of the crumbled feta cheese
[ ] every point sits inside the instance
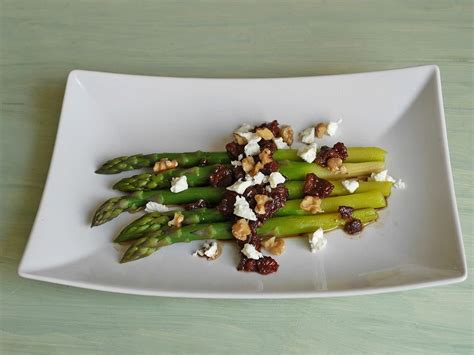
(250, 137)
(268, 188)
(276, 178)
(208, 249)
(250, 252)
(381, 176)
(350, 185)
(240, 157)
(244, 128)
(179, 184)
(317, 240)
(259, 178)
(400, 185)
(252, 148)
(242, 209)
(332, 127)
(240, 186)
(307, 135)
(158, 207)
(236, 163)
(280, 143)
(308, 152)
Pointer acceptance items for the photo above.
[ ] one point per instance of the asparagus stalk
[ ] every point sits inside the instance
(371, 199)
(278, 227)
(199, 176)
(196, 176)
(153, 221)
(138, 161)
(190, 159)
(297, 170)
(132, 203)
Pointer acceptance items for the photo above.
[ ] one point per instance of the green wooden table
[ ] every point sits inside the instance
(43, 40)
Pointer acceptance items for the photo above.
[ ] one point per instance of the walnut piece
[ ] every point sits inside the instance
(261, 200)
(311, 204)
(248, 163)
(177, 220)
(286, 132)
(265, 133)
(241, 229)
(256, 168)
(275, 246)
(334, 164)
(164, 164)
(239, 139)
(265, 156)
(321, 129)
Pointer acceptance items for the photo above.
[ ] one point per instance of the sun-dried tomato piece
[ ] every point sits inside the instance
(267, 144)
(266, 265)
(226, 206)
(222, 176)
(345, 212)
(353, 226)
(270, 168)
(234, 150)
(315, 186)
(339, 150)
(246, 264)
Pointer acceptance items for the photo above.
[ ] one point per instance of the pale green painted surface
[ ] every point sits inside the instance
(43, 40)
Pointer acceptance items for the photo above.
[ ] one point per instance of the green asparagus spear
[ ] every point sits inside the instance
(199, 176)
(371, 199)
(196, 176)
(190, 159)
(131, 203)
(297, 170)
(153, 221)
(278, 227)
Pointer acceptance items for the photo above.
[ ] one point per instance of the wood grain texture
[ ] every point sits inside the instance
(41, 41)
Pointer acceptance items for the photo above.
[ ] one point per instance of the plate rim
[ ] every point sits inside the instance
(459, 277)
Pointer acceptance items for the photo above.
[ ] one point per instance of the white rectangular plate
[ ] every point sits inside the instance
(417, 241)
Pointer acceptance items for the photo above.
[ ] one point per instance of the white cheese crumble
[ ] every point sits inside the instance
(158, 207)
(240, 157)
(244, 128)
(280, 143)
(242, 209)
(236, 163)
(307, 135)
(258, 179)
(250, 252)
(240, 186)
(250, 137)
(317, 240)
(308, 152)
(208, 249)
(276, 178)
(381, 176)
(252, 148)
(332, 128)
(179, 184)
(400, 185)
(350, 185)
